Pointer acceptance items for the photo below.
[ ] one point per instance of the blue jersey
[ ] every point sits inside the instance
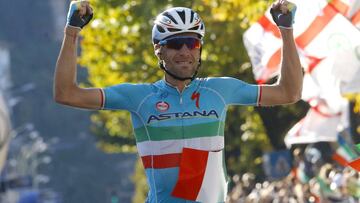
(165, 121)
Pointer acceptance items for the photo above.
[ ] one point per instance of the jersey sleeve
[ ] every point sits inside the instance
(124, 96)
(235, 91)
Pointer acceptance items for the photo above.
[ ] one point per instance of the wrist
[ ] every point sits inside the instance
(72, 31)
(286, 34)
(286, 30)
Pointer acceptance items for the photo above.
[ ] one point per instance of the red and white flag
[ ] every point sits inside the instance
(347, 69)
(319, 30)
(321, 124)
(349, 8)
(202, 176)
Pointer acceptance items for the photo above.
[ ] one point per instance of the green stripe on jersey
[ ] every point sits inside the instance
(180, 132)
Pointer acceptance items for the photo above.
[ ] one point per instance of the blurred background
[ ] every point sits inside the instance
(306, 152)
(52, 151)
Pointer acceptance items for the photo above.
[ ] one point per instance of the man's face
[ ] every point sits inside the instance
(182, 62)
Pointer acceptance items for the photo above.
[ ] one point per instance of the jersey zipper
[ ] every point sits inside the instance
(182, 120)
(181, 94)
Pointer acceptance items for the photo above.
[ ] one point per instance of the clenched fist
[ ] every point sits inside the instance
(283, 13)
(80, 13)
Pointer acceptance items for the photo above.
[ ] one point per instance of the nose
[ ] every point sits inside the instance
(184, 50)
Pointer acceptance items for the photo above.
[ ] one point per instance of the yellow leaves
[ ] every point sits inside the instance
(115, 148)
(149, 58)
(141, 186)
(242, 11)
(97, 24)
(258, 160)
(355, 98)
(220, 14)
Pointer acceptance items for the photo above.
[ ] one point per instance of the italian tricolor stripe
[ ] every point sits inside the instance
(175, 146)
(201, 176)
(179, 132)
(161, 161)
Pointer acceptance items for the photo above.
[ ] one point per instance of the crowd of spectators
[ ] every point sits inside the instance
(313, 179)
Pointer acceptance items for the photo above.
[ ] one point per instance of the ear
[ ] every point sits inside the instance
(157, 49)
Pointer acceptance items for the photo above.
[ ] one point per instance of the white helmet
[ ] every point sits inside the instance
(175, 21)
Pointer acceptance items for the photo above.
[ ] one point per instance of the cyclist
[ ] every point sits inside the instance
(179, 121)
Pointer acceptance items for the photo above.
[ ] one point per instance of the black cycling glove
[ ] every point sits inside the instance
(284, 20)
(73, 17)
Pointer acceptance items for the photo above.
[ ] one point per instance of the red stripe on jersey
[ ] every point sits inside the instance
(161, 161)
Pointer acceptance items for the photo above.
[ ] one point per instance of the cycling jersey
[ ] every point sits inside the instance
(165, 121)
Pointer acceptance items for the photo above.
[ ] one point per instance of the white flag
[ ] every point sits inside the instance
(319, 29)
(349, 8)
(263, 43)
(347, 69)
(321, 124)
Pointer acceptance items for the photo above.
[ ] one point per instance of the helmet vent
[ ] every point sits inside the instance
(170, 16)
(176, 21)
(174, 30)
(160, 29)
(182, 15)
(191, 16)
(194, 28)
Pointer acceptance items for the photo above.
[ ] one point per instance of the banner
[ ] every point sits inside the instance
(320, 124)
(319, 29)
(346, 68)
(349, 8)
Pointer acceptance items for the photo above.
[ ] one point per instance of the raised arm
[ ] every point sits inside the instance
(66, 89)
(289, 86)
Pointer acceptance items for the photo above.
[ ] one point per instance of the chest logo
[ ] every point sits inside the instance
(162, 106)
(196, 96)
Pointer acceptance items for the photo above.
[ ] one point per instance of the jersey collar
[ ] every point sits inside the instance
(173, 89)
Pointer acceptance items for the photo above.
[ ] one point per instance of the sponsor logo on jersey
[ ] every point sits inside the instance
(196, 96)
(185, 115)
(162, 106)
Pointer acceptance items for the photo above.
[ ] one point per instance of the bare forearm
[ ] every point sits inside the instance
(291, 72)
(65, 73)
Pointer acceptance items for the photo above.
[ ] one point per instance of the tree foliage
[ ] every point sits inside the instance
(117, 47)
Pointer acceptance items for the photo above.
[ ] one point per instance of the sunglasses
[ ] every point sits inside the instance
(178, 42)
